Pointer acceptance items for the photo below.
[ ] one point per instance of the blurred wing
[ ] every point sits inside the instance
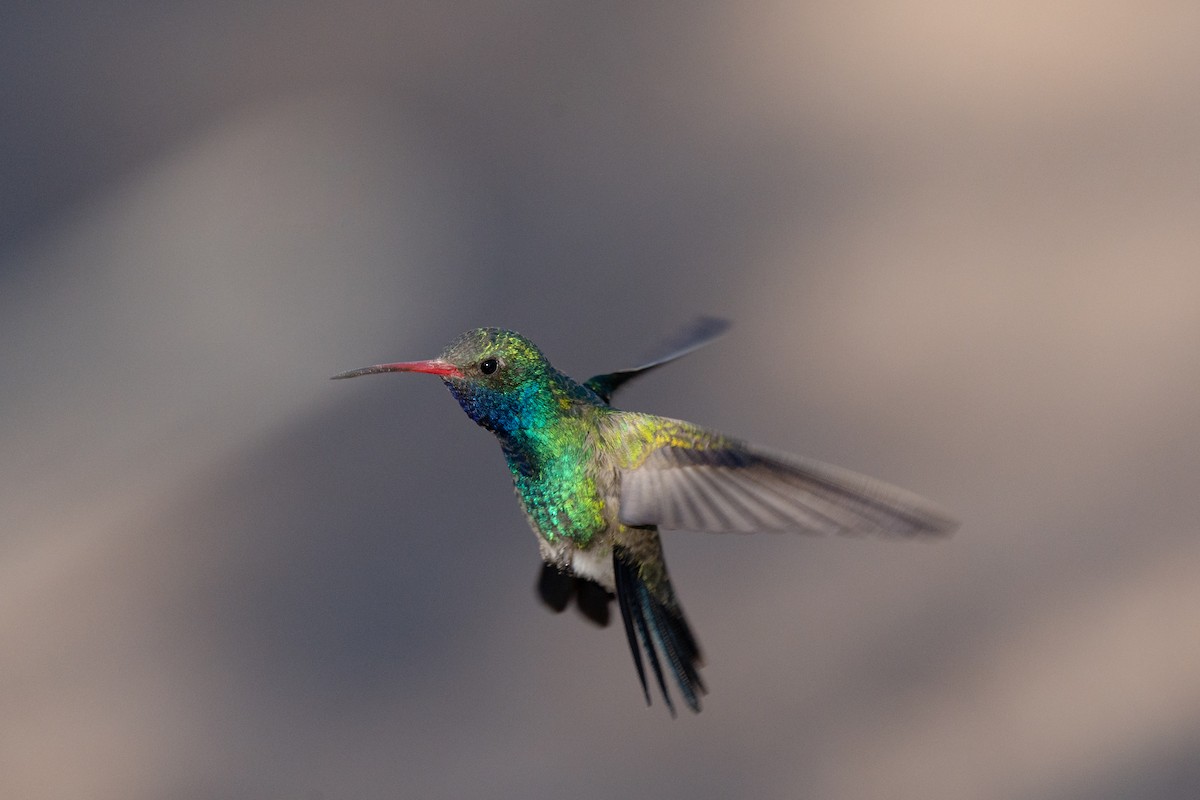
(739, 488)
(557, 589)
(695, 336)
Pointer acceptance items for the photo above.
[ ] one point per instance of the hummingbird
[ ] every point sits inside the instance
(597, 484)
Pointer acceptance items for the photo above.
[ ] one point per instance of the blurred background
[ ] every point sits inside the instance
(961, 250)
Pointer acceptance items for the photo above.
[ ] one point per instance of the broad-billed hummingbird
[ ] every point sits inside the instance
(597, 484)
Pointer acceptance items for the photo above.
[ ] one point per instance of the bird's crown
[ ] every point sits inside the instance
(495, 357)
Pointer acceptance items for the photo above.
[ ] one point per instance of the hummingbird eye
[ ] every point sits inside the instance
(488, 366)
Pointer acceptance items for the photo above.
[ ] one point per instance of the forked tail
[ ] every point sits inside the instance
(654, 622)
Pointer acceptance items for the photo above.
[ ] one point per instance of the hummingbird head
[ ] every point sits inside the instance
(500, 378)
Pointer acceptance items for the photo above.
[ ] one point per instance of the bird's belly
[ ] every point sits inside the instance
(593, 562)
(571, 507)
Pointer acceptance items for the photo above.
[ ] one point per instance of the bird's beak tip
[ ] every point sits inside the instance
(437, 367)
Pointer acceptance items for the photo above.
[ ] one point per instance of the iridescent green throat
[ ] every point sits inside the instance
(543, 424)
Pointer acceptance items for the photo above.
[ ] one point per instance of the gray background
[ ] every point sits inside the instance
(960, 245)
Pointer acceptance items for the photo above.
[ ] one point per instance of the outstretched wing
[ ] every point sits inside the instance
(698, 334)
(734, 487)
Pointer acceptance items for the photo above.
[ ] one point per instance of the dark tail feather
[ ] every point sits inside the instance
(654, 624)
(627, 599)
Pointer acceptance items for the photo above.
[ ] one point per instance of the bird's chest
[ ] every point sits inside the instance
(563, 495)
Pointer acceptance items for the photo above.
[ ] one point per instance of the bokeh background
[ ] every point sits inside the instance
(961, 248)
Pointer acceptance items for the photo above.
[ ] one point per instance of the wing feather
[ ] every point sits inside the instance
(736, 487)
(701, 332)
(731, 504)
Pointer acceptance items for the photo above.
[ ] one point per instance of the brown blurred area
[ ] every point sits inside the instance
(960, 247)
